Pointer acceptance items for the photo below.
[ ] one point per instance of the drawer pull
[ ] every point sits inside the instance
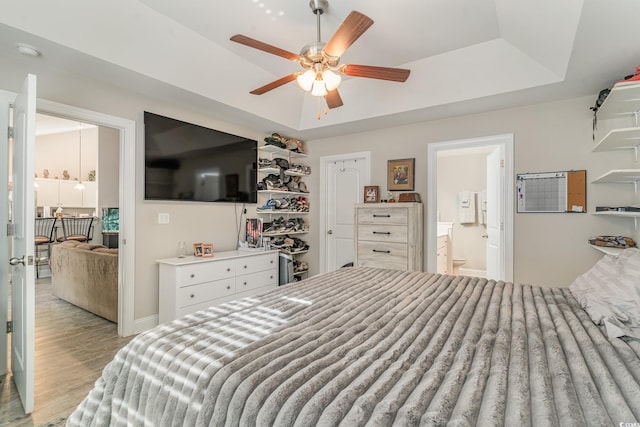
(271, 261)
(228, 287)
(193, 275)
(245, 267)
(228, 269)
(382, 232)
(382, 216)
(270, 277)
(192, 295)
(244, 283)
(382, 252)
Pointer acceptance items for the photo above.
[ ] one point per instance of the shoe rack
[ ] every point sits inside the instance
(282, 203)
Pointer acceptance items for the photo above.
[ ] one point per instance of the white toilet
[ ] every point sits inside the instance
(457, 263)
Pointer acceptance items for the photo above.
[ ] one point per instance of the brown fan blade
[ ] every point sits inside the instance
(270, 86)
(349, 31)
(371, 72)
(333, 99)
(257, 44)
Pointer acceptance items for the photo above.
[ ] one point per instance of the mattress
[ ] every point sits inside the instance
(366, 346)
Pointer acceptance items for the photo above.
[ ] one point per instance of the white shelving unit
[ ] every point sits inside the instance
(623, 102)
(272, 152)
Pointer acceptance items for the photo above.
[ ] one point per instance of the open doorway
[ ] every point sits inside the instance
(76, 191)
(125, 130)
(470, 207)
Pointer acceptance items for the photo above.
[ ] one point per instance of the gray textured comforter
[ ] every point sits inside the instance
(365, 346)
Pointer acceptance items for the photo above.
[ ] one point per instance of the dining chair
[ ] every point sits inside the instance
(44, 236)
(78, 229)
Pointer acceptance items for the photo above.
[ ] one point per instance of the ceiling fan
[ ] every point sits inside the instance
(321, 61)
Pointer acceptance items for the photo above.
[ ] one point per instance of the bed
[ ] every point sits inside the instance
(366, 346)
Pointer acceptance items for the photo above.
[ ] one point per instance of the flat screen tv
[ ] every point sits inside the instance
(184, 161)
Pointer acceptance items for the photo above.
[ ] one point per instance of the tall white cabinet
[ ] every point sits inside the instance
(622, 107)
(389, 235)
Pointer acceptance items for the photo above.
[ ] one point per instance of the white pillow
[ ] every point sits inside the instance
(610, 293)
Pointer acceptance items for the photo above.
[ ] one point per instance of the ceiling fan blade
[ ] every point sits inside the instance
(333, 99)
(257, 44)
(277, 83)
(371, 72)
(349, 31)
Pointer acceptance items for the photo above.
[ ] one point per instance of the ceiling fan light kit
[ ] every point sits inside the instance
(321, 61)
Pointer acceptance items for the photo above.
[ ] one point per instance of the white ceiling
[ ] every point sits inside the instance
(465, 56)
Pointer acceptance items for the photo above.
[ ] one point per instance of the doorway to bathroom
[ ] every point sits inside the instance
(470, 207)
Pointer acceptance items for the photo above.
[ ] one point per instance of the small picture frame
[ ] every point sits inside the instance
(371, 194)
(197, 249)
(400, 175)
(207, 249)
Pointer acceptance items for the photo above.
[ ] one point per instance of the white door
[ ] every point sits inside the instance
(495, 213)
(22, 273)
(345, 177)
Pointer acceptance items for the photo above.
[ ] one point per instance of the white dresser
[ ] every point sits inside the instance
(389, 235)
(193, 283)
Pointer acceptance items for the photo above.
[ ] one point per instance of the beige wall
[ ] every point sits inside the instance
(108, 170)
(549, 249)
(463, 173)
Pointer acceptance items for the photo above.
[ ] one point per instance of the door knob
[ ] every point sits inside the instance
(16, 261)
(486, 236)
(330, 232)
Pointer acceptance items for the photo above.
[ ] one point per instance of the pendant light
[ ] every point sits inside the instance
(80, 185)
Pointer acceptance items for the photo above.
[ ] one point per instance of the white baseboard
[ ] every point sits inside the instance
(472, 272)
(146, 323)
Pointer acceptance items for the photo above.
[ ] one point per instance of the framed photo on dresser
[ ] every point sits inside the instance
(371, 194)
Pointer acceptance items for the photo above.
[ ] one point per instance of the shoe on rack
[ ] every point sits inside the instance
(268, 206)
(281, 163)
(302, 187)
(272, 181)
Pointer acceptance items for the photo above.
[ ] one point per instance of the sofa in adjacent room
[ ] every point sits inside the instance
(86, 275)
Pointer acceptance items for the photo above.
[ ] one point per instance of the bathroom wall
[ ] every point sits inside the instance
(461, 170)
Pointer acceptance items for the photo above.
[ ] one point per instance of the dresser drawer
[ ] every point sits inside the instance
(253, 264)
(397, 216)
(383, 233)
(382, 255)
(256, 280)
(204, 272)
(196, 294)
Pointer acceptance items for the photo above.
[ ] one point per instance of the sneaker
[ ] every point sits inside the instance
(281, 163)
(302, 187)
(269, 206)
(272, 181)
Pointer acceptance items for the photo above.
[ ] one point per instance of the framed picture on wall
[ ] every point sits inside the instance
(400, 175)
(371, 194)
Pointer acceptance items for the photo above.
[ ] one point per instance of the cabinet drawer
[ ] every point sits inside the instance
(383, 255)
(396, 216)
(383, 233)
(256, 280)
(196, 294)
(199, 273)
(253, 264)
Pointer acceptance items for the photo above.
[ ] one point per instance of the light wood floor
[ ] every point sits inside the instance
(71, 349)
